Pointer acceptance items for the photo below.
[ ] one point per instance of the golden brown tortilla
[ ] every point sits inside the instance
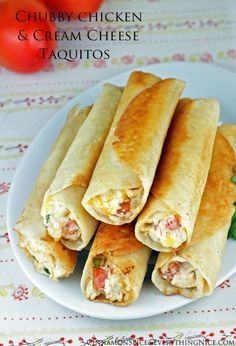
(73, 175)
(229, 131)
(133, 147)
(45, 253)
(125, 257)
(181, 175)
(205, 251)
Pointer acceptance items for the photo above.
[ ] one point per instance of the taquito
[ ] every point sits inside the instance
(193, 271)
(122, 178)
(49, 257)
(116, 266)
(63, 214)
(168, 219)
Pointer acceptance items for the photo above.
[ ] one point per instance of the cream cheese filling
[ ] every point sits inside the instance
(44, 261)
(167, 230)
(61, 222)
(181, 273)
(116, 288)
(117, 203)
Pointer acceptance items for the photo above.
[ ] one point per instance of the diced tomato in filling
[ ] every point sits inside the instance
(124, 207)
(99, 277)
(70, 227)
(173, 223)
(173, 269)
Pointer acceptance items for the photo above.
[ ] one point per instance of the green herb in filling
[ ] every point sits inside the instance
(233, 179)
(99, 261)
(232, 230)
(47, 218)
(46, 271)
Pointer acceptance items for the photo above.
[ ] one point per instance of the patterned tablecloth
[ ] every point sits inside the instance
(172, 30)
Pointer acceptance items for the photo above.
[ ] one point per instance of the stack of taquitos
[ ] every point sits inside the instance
(116, 266)
(193, 271)
(119, 189)
(62, 211)
(167, 221)
(122, 178)
(49, 257)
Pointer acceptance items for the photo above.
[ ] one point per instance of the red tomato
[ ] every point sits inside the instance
(23, 56)
(75, 6)
(99, 277)
(124, 207)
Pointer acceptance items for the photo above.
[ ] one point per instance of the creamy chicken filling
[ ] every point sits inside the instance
(108, 281)
(180, 273)
(169, 231)
(44, 261)
(61, 223)
(117, 203)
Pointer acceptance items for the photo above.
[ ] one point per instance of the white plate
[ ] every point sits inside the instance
(202, 81)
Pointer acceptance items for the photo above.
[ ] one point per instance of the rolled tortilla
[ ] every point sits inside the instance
(193, 271)
(116, 266)
(49, 257)
(229, 131)
(168, 219)
(125, 170)
(63, 214)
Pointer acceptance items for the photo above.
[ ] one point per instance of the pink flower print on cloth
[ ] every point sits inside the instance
(20, 293)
